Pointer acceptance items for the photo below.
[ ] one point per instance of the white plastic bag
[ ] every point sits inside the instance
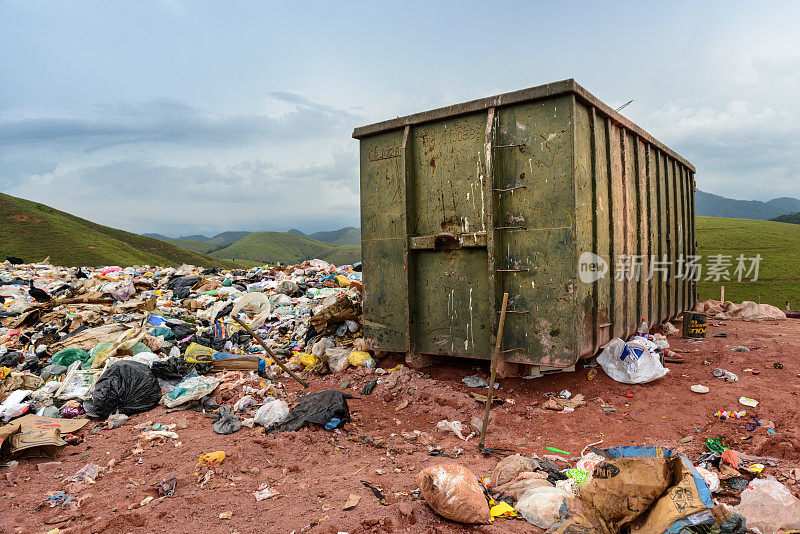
(634, 362)
(711, 479)
(337, 358)
(273, 412)
(456, 427)
(539, 506)
(768, 506)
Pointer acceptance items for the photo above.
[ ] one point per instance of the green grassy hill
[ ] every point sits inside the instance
(33, 231)
(343, 236)
(778, 244)
(285, 247)
(201, 247)
(793, 218)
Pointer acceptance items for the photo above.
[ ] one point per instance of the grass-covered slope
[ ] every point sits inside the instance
(777, 243)
(33, 231)
(286, 248)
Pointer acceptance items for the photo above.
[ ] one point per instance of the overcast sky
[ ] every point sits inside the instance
(198, 117)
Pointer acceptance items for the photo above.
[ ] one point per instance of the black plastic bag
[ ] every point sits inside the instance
(317, 408)
(175, 368)
(181, 330)
(128, 387)
(181, 286)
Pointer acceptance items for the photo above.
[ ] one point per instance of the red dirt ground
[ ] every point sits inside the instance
(315, 470)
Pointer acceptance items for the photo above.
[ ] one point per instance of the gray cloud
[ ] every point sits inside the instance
(143, 196)
(170, 122)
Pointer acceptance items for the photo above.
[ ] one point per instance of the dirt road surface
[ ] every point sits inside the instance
(316, 470)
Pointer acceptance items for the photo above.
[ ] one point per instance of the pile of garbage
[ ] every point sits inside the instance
(644, 490)
(110, 342)
(746, 311)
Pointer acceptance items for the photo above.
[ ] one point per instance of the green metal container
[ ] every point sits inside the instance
(513, 193)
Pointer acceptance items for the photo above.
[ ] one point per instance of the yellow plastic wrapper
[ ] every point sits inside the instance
(342, 280)
(211, 458)
(309, 361)
(358, 358)
(502, 509)
(195, 353)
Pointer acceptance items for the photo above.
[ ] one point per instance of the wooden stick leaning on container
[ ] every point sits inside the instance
(493, 375)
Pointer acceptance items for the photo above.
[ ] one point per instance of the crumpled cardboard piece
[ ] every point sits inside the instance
(88, 339)
(40, 436)
(340, 310)
(558, 404)
(681, 500)
(621, 490)
(36, 443)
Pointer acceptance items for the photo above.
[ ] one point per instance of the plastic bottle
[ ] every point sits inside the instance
(592, 374)
(643, 329)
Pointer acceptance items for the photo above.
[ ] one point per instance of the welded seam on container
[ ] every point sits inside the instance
(595, 241)
(638, 182)
(574, 275)
(489, 140)
(611, 279)
(406, 171)
(649, 216)
(626, 227)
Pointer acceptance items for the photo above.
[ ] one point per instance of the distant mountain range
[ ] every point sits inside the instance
(219, 239)
(718, 206)
(339, 247)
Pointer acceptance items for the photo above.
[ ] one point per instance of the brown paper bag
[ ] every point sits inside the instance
(621, 490)
(680, 500)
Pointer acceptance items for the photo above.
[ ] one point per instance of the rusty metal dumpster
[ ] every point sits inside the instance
(517, 193)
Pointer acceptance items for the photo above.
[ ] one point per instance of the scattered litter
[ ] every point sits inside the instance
(265, 491)
(456, 427)
(727, 375)
(746, 401)
(212, 458)
(167, 486)
(699, 388)
(377, 492)
(352, 502)
(475, 381)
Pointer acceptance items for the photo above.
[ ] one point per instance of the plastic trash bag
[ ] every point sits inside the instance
(116, 420)
(539, 506)
(317, 408)
(634, 362)
(189, 389)
(125, 386)
(273, 412)
(769, 506)
(509, 467)
(337, 358)
(454, 493)
(227, 423)
(456, 427)
(68, 356)
(359, 358)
